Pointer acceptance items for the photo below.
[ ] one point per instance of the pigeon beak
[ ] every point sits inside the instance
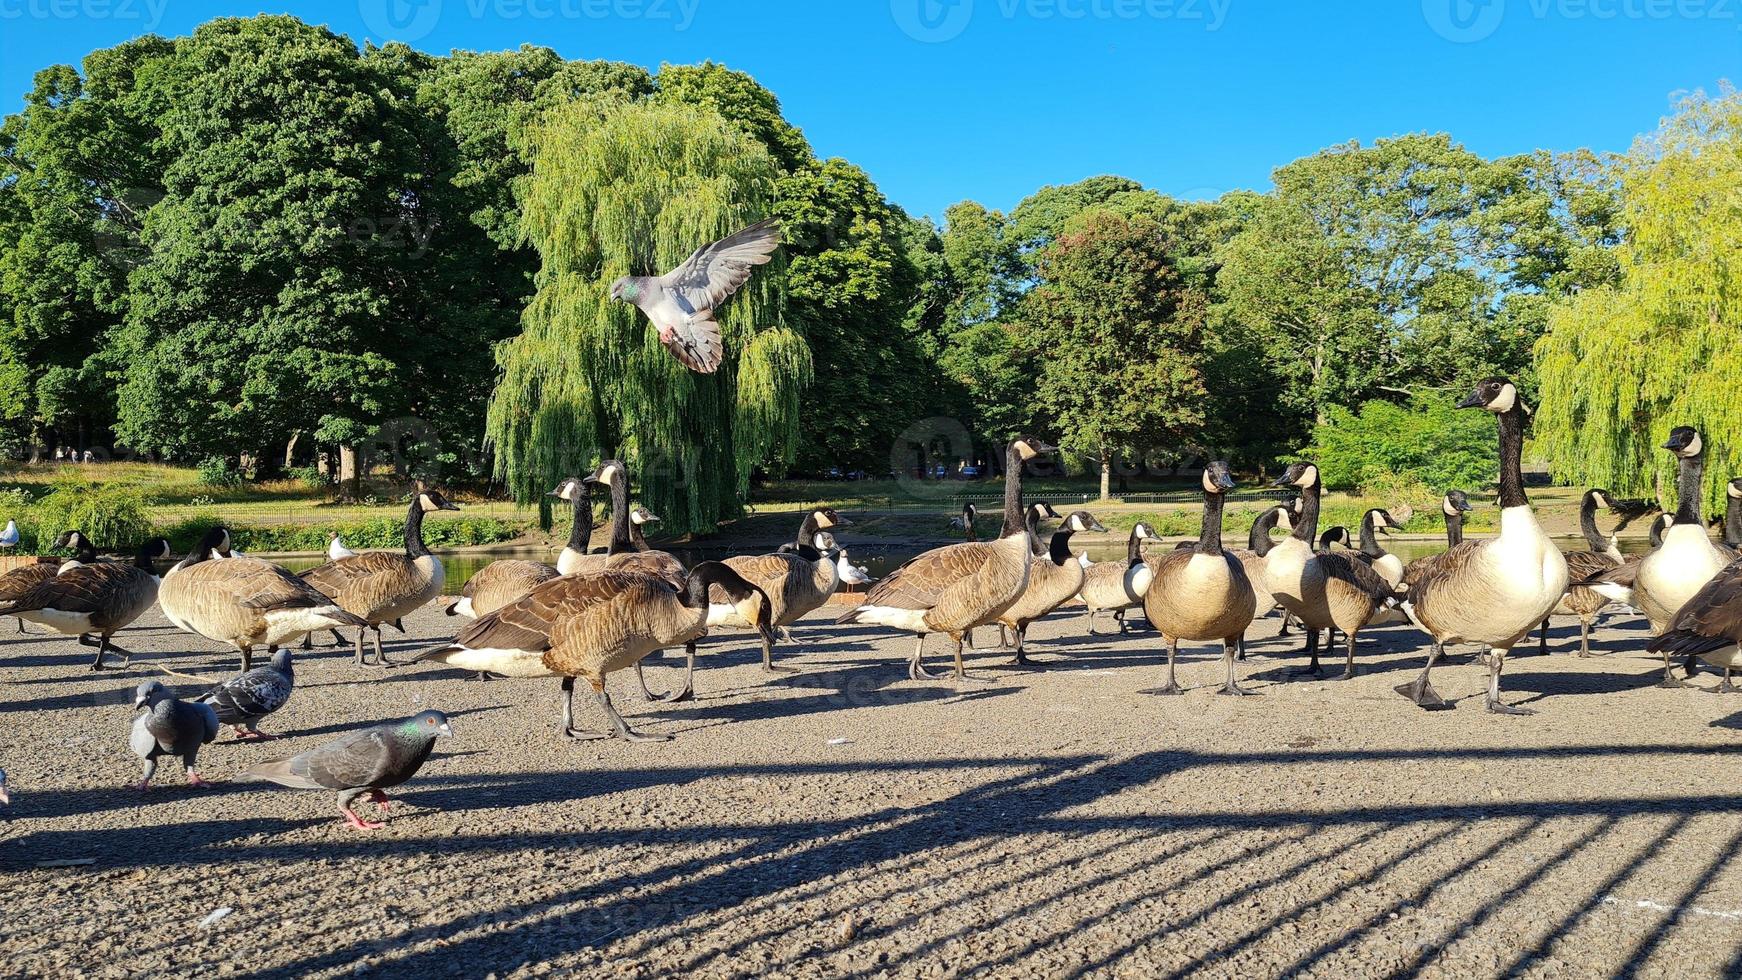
(446, 729)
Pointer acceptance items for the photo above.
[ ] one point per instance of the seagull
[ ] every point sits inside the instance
(9, 537)
(682, 302)
(336, 547)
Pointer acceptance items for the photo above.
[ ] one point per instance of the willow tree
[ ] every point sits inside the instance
(616, 190)
(1624, 364)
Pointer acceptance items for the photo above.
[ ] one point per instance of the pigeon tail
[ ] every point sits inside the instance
(278, 771)
(696, 343)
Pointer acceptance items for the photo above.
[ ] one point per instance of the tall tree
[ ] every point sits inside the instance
(634, 190)
(1116, 330)
(1622, 364)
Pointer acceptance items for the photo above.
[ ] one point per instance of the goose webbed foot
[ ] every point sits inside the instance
(1672, 684)
(1724, 686)
(1170, 688)
(1236, 690)
(917, 671)
(1498, 707)
(621, 729)
(1424, 695)
(482, 675)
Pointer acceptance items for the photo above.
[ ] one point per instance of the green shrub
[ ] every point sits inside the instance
(216, 471)
(310, 477)
(114, 515)
(1423, 448)
(383, 532)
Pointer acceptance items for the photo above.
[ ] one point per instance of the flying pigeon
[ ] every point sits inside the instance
(170, 727)
(362, 763)
(252, 695)
(682, 302)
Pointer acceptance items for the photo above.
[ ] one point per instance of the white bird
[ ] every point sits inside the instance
(9, 537)
(849, 573)
(336, 547)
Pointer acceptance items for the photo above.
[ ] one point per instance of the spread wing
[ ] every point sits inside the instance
(921, 582)
(716, 270)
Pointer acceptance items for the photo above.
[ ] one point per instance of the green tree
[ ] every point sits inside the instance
(635, 189)
(1116, 331)
(1426, 442)
(1622, 364)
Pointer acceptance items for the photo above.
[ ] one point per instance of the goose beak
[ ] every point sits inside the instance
(1095, 525)
(841, 520)
(1282, 481)
(1472, 400)
(1225, 481)
(449, 505)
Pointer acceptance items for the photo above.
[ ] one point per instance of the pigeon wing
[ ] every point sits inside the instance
(716, 270)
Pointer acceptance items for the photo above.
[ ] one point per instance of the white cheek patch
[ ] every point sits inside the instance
(1284, 519)
(1731, 491)
(1504, 401)
(609, 475)
(1694, 447)
(1309, 477)
(1208, 486)
(1024, 450)
(823, 520)
(1447, 508)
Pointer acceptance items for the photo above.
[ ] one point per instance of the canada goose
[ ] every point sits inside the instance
(1388, 565)
(1709, 625)
(1033, 514)
(245, 602)
(955, 588)
(578, 493)
(1492, 591)
(965, 523)
(169, 727)
(794, 584)
(589, 625)
(1118, 585)
(9, 537)
(1334, 535)
(1054, 577)
(1731, 544)
(1617, 582)
(1258, 544)
(1594, 498)
(1454, 505)
(101, 597)
(381, 586)
(497, 584)
(623, 552)
(336, 547)
(1202, 594)
(1325, 590)
(22, 579)
(1600, 555)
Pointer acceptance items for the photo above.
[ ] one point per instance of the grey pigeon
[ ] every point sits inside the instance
(5, 793)
(252, 695)
(362, 763)
(170, 727)
(682, 302)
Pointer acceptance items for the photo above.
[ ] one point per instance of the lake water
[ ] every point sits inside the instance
(878, 559)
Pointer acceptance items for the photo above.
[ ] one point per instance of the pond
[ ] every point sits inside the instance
(878, 558)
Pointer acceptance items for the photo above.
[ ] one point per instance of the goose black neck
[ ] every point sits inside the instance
(146, 559)
(1689, 484)
(1134, 550)
(1033, 527)
(807, 532)
(1512, 458)
(1732, 518)
(1588, 523)
(1306, 527)
(1210, 535)
(1013, 518)
(1258, 539)
(1061, 546)
(636, 538)
(709, 574)
(1369, 539)
(414, 546)
(581, 531)
(85, 552)
(1454, 530)
(620, 539)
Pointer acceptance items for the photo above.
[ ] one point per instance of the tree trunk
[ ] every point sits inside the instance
(1106, 474)
(290, 449)
(350, 479)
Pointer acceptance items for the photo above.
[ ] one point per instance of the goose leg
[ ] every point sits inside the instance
(915, 669)
(1497, 663)
(308, 641)
(380, 657)
(1669, 682)
(623, 731)
(1725, 687)
(961, 676)
(86, 641)
(1349, 657)
(1422, 691)
(21, 628)
(687, 692)
(1312, 649)
(1021, 659)
(1230, 651)
(1172, 685)
(1691, 665)
(338, 639)
(768, 665)
(1119, 614)
(248, 657)
(569, 730)
(1240, 650)
(1584, 636)
(1542, 641)
(357, 652)
(1088, 622)
(1287, 617)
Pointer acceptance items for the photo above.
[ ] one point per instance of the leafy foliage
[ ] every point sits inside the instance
(114, 515)
(1387, 449)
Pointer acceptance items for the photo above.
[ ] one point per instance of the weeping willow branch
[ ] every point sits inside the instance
(626, 190)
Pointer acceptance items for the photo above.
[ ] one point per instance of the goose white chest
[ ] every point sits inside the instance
(1670, 576)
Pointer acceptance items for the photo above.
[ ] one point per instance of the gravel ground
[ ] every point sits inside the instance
(845, 820)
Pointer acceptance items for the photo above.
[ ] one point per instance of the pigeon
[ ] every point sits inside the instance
(251, 695)
(682, 302)
(362, 763)
(5, 793)
(9, 537)
(170, 727)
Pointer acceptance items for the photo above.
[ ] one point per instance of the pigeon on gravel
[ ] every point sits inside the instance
(682, 302)
(170, 727)
(5, 793)
(251, 695)
(362, 763)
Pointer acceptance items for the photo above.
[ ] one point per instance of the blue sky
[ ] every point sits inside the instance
(942, 100)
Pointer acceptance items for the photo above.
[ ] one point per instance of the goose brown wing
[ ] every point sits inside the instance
(86, 589)
(1424, 575)
(1582, 565)
(1624, 574)
(763, 571)
(922, 581)
(1348, 568)
(264, 586)
(21, 580)
(657, 563)
(527, 622)
(335, 576)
